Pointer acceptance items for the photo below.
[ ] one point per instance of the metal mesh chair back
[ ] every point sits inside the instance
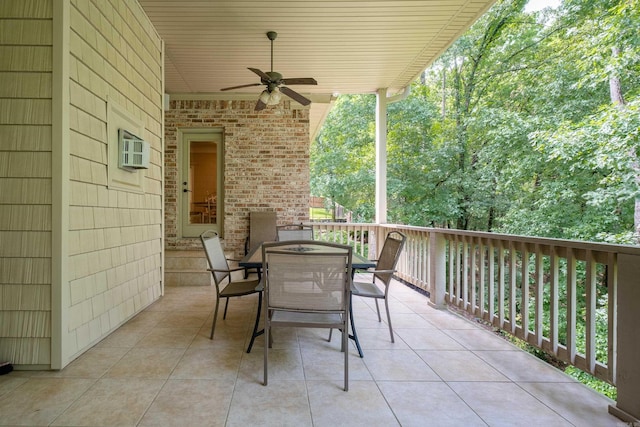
(295, 232)
(215, 255)
(390, 255)
(314, 282)
(262, 228)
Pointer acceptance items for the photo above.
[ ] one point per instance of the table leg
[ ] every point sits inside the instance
(256, 333)
(354, 337)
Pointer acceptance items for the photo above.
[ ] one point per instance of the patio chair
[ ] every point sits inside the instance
(219, 268)
(262, 228)
(383, 272)
(294, 232)
(292, 271)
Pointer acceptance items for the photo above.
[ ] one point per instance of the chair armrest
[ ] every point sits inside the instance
(234, 264)
(373, 271)
(225, 270)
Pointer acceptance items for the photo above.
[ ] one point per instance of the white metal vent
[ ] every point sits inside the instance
(133, 151)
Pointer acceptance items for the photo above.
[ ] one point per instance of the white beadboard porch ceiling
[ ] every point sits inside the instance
(349, 47)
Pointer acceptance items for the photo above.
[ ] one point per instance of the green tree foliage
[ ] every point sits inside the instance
(342, 157)
(512, 130)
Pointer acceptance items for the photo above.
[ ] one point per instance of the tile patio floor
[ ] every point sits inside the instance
(161, 369)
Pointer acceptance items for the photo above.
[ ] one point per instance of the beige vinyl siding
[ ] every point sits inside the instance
(110, 252)
(25, 181)
(115, 237)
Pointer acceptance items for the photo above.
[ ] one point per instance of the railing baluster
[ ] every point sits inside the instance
(450, 275)
(513, 287)
(571, 305)
(501, 279)
(524, 286)
(612, 305)
(539, 310)
(483, 279)
(472, 273)
(464, 252)
(553, 297)
(492, 283)
(590, 317)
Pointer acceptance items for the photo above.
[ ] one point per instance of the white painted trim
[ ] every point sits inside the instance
(185, 137)
(165, 106)
(60, 190)
(228, 96)
(381, 149)
(381, 156)
(117, 178)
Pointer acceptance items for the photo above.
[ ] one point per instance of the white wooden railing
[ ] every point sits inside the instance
(546, 292)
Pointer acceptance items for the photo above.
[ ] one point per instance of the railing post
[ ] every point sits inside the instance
(437, 270)
(627, 367)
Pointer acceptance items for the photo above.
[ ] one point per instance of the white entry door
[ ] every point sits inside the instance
(201, 180)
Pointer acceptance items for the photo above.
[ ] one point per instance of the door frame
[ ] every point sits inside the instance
(184, 138)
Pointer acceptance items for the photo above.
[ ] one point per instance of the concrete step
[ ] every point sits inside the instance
(185, 260)
(186, 268)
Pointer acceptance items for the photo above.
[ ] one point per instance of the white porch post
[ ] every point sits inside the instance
(437, 269)
(381, 156)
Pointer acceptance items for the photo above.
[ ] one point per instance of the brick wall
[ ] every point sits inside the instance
(266, 163)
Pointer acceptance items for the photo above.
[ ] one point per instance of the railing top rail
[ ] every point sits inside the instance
(575, 244)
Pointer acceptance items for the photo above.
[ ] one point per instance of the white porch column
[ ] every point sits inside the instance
(381, 156)
(437, 270)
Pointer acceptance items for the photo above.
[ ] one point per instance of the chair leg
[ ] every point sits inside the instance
(353, 328)
(255, 327)
(345, 339)
(378, 310)
(266, 349)
(330, 333)
(386, 304)
(215, 317)
(224, 316)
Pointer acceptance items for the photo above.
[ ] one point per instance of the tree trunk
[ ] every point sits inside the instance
(617, 99)
(614, 84)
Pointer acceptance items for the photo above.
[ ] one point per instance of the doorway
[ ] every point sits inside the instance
(202, 181)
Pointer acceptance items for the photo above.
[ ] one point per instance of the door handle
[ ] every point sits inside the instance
(186, 191)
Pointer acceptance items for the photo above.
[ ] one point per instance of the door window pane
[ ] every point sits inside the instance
(203, 175)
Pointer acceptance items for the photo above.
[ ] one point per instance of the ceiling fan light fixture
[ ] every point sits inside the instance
(271, 98)
(264, 97)
(274, 97)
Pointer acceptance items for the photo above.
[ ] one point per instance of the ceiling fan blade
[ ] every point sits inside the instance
(260, 105)
(241, 86)
(262, 74)
(295, 95)
(300, 81)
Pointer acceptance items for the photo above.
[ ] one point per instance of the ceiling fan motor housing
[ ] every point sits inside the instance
(273, 77)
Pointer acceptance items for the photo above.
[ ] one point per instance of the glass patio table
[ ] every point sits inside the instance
(254, 260)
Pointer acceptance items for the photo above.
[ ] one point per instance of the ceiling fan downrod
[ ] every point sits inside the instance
(272, 35)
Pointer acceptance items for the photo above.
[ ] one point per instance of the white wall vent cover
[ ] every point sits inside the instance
(133, 152)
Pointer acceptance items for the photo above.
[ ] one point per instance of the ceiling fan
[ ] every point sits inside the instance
(276, 84)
